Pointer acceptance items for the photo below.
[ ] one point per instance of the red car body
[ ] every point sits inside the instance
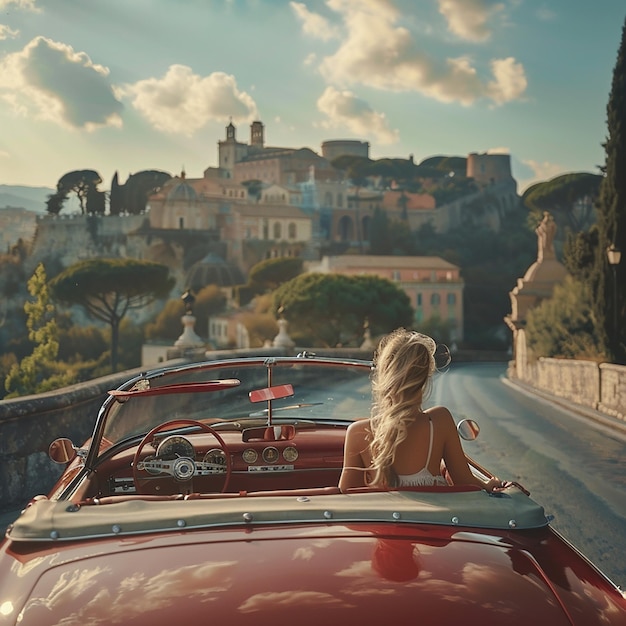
(134, 533)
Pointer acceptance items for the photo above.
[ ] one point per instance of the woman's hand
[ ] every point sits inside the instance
(494, 484)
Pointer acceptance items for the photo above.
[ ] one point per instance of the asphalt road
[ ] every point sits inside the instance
(572, 465)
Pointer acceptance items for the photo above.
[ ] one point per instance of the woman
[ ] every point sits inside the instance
(402, 444)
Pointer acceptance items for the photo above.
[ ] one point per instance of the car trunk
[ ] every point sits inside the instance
(305, 574)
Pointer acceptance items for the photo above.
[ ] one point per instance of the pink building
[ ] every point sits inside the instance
(434, 286)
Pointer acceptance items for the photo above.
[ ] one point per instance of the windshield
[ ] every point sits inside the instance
(322, 391)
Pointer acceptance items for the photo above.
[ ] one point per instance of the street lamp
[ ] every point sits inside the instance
(614, 255)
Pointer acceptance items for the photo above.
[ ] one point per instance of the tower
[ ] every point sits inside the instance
(230, 151)
(256, 135)
(489, 169)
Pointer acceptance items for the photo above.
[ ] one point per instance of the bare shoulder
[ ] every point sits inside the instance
(360, 428)
(441, 417)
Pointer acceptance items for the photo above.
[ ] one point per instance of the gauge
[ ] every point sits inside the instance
(147, 465)
(290, 454)
(217, 458)
(270, 454)
(174, 447)
(250, 455)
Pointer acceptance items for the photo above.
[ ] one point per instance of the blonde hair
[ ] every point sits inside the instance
(403, 367)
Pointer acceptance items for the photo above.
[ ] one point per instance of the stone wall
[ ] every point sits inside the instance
(30, 423)
(597, 386)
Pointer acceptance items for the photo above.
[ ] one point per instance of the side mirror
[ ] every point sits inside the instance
(468, 429)
(62, 451)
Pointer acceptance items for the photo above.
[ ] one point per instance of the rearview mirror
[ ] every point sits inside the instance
(271, 393)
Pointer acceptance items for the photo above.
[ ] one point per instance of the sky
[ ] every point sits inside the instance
(130, 85)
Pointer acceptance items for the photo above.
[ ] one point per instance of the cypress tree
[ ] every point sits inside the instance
(610, 290)
(115, 197)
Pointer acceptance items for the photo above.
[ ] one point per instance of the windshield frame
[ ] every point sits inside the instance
(314, 404)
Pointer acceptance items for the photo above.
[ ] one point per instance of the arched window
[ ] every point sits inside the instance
(292, 230)
(435, 299)
(277, 230)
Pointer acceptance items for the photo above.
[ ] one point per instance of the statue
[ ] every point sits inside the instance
(282, 340)
(189, 338)
(545, 235)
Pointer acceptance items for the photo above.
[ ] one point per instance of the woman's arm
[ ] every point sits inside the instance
(454, 457)
(353, 472)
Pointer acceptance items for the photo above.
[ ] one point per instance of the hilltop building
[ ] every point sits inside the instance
(263, 202)
(242, 162)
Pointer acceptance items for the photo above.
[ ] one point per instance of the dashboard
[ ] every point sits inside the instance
(251, 459)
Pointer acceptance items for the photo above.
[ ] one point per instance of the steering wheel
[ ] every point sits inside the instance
(181, 469)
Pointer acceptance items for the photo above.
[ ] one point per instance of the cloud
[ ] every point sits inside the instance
(183, 102)
(376, 52)
(7, 33)
(343, 108)
(499, 150)
(313, 24)
(533, 172)
(469, 19)
(545, 170)
(51, 81)
(28, 5)
(510, 80)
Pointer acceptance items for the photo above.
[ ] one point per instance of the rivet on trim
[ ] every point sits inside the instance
(328, 515)
(512, 523)
(247, 517)
(116, 528)
(54, 534)
(181, 523)
(396, 515)
(455, 520)
(72, 508)
(302, 499)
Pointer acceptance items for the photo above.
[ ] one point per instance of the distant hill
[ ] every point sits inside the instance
(21, 196)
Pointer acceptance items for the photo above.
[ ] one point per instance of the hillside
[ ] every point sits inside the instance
(21, 196)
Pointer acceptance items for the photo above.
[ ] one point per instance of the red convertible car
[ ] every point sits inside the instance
(208, 495)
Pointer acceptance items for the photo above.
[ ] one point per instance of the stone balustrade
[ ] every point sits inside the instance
(598, 386)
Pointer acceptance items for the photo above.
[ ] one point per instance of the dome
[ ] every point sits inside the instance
(182, 191)
(213, 270)
(547, 272)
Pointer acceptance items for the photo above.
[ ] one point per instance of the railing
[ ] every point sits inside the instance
(597, 386)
